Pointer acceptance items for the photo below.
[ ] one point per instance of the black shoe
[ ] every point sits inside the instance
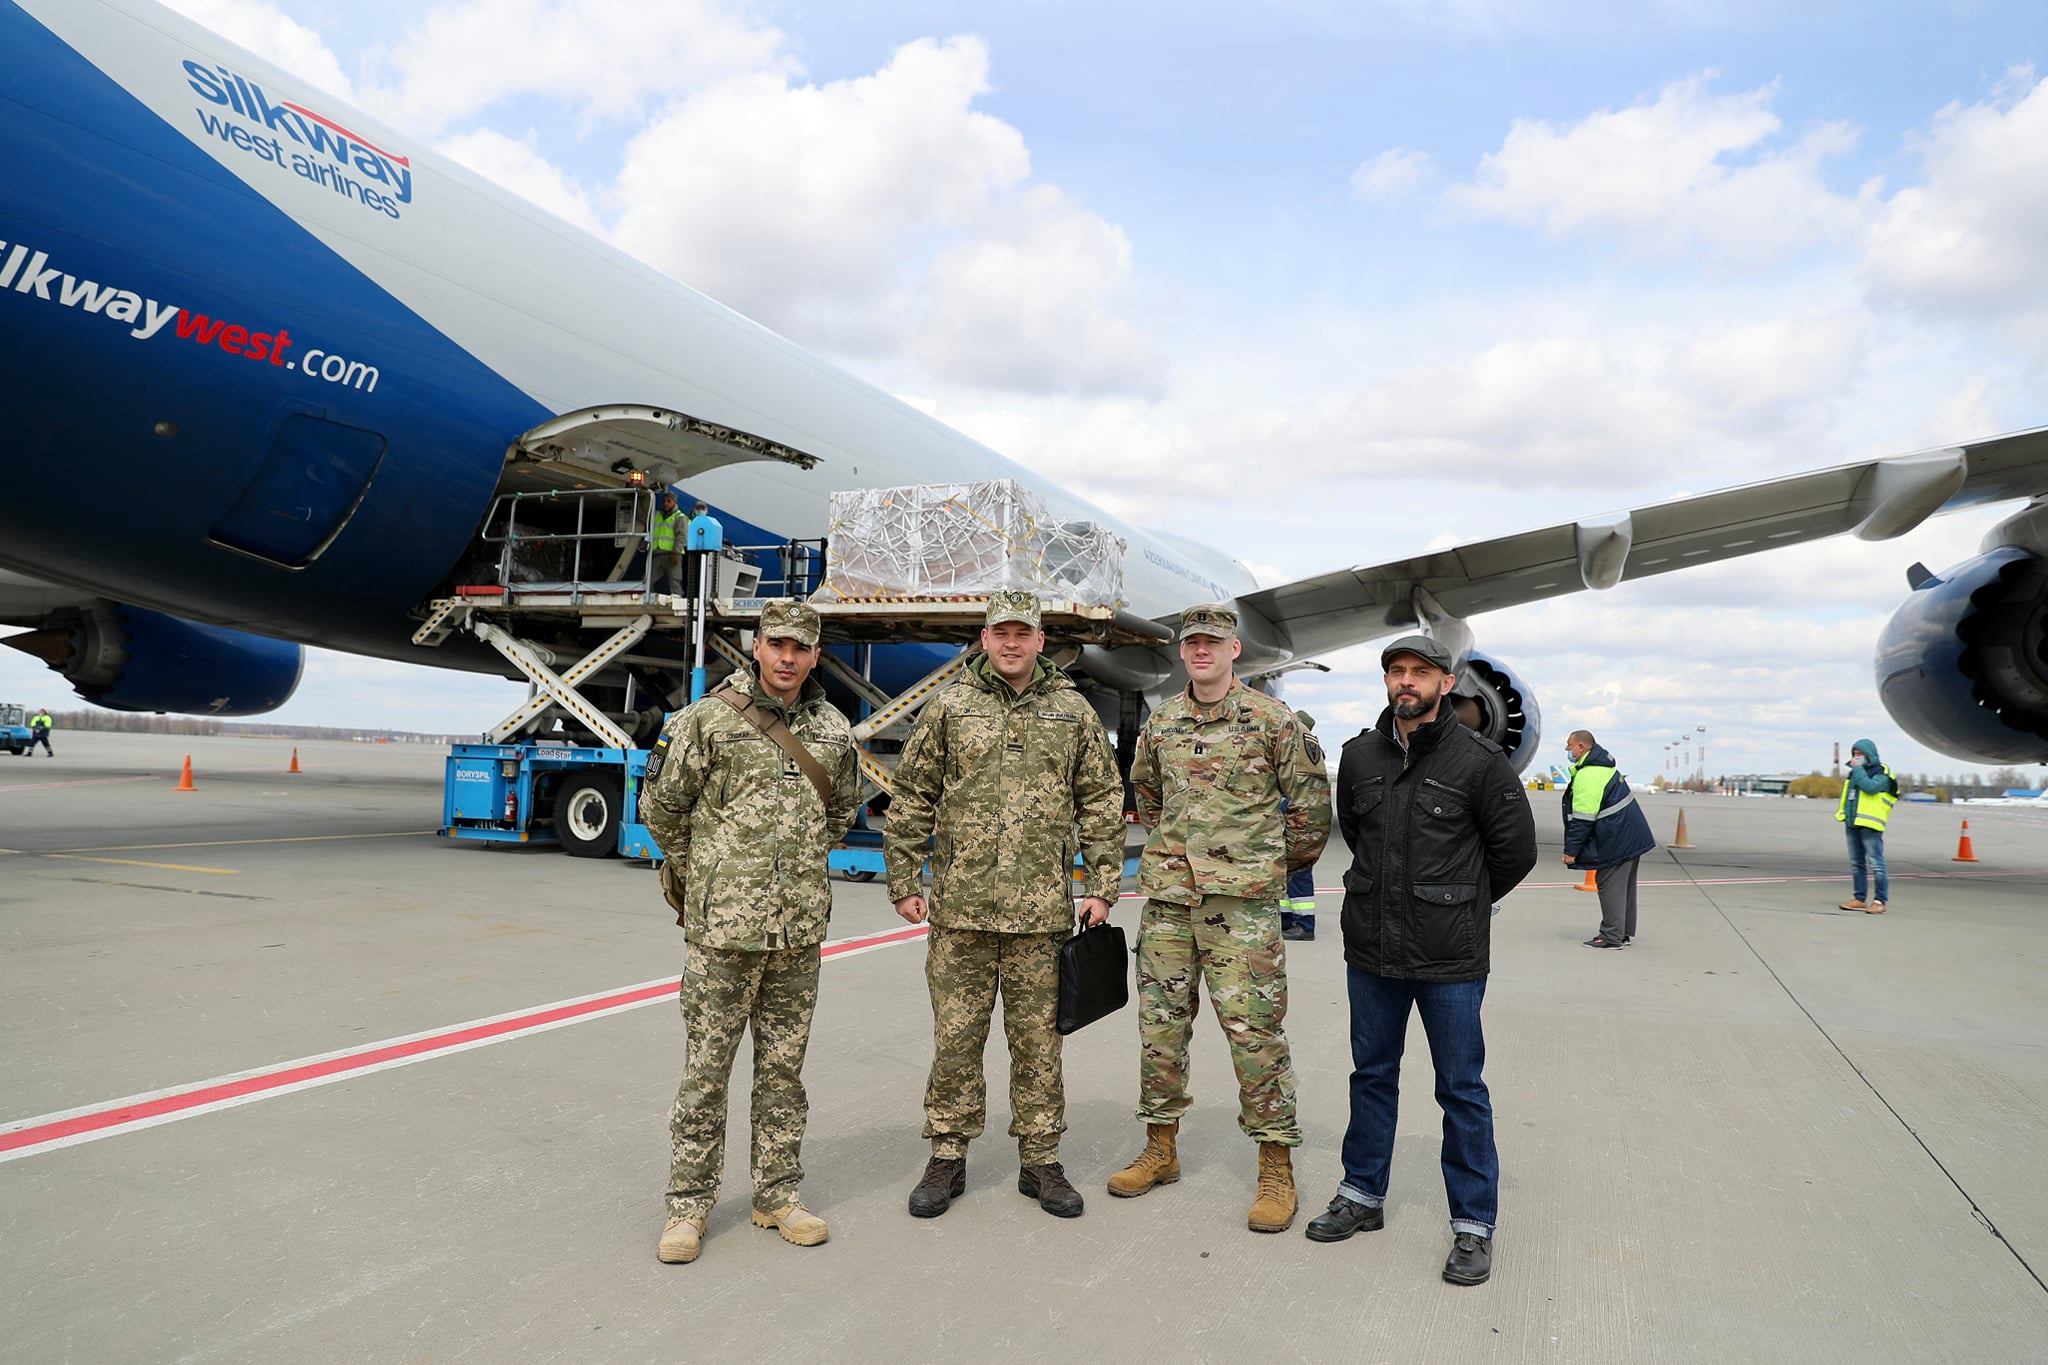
(1471, 1259)
(1048, 1185)
(1344, 1217)
(945, 1179)
(1598, 942)
(1298, 933)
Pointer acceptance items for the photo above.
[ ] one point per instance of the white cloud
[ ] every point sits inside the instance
(518, 165)
(886, 215)
(1393, 172)
(1689, 169)
(608, 59)
(1031, 309)
(798, 203)
(266, 31)
(1969, 241)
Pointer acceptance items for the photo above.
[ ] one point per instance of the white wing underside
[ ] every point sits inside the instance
(1874, 499)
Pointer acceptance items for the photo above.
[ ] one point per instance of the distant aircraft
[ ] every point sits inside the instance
(270, 363)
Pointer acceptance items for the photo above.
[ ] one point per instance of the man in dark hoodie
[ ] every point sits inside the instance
(1604, 832)
(1439, 829)
(1868, 795)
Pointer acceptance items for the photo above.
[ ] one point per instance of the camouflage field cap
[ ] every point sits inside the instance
(1012, 604)
(1211, 618)
(785, 618)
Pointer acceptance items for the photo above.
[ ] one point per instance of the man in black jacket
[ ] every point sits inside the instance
(1439, 829)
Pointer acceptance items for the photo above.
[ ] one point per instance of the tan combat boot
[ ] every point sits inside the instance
(681, 1240)
(797, 1224)
(1158, 1164)
(1273, 1209)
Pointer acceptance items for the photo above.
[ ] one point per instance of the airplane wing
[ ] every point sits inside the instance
(1874, 499)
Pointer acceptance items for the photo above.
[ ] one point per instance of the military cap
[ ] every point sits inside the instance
(1012, 604)
(1210, 618)
(785, 618)
(1422, 647)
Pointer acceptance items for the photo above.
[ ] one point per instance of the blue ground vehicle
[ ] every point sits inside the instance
(15, 735)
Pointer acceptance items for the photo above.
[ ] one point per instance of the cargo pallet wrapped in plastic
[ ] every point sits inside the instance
(967, 540)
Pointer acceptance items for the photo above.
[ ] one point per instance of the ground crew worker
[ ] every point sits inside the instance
(746, 792)
(663, 544)
(1235, 795)
(1010, 768)
(1605, 833)
(1298, 909)
(39, 731)
(1868, 795)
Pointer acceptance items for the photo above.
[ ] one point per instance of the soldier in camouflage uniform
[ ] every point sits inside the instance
(745, 833)
(1235, 793)
(1011, 771)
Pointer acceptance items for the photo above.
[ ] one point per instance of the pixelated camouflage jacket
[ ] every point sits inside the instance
(742, 827)
(1210, 782)
(1013, 783)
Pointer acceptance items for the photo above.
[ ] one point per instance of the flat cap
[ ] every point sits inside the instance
(1012, 604)
(785, 618)
(1210, 618)
(1422, 647)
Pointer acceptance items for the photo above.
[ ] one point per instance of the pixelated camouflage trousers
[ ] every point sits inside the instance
(725, 992)
(965, 970)
(1234, 947)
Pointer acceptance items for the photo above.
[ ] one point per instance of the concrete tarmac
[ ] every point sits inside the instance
(1768, 1130)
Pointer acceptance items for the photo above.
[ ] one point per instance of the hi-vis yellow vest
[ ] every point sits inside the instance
(1873, 809)
(665, 532)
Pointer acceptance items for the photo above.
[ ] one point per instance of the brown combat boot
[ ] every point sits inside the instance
(1273, 1208)
(681, 1240)
(1158, 1164)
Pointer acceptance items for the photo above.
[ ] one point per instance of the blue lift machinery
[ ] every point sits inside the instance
(608, 658)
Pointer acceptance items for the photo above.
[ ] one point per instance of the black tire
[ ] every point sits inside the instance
(858, 876)
(587, 808)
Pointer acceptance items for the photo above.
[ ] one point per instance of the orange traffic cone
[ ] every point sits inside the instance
(185, 778)
(1680, 841)
(1590, 884)
(295, 760)
(1964, 853)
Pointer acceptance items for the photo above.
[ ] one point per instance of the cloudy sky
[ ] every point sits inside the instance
(1324, 283)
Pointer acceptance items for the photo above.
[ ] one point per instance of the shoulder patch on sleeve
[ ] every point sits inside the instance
(1311, 749)
(658, 757)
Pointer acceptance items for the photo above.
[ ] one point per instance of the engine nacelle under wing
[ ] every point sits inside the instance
(1963, 665)
(1508, 714)
(132, 659)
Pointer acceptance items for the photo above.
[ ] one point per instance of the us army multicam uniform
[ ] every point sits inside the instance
(1210, 783)
(746, 835)
(1012, 783)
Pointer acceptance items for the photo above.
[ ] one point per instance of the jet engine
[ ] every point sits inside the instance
(132, 659)
(1963, 665)
(1506, 707)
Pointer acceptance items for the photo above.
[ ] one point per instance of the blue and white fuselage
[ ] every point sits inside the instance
(265, 355)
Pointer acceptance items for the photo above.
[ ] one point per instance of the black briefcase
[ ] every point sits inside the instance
(1095, 976)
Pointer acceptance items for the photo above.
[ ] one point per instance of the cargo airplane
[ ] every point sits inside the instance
(271, 363)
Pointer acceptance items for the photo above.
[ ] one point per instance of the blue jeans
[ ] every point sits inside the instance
(1457, 1049)
(1867, 846)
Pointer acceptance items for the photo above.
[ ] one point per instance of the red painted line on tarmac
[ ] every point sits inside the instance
(48, 1132)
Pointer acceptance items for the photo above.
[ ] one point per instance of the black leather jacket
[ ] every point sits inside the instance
(1438, 832)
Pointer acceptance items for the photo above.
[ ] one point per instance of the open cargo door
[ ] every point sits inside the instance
(605, 447)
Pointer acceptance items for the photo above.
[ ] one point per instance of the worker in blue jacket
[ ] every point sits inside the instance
(1604, 830)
